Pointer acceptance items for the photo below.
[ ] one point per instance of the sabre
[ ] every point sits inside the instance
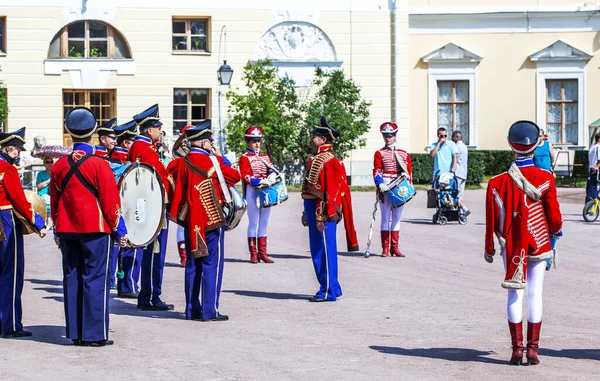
(367, 253)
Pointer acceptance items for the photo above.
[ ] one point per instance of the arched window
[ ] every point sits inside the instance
(89, 39)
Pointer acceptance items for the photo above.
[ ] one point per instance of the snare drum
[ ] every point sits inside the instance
(142, 201)
(400, 192)
(272, 195)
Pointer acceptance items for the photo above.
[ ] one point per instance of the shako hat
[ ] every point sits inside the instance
(324, 129)
(523, 136)
(13, 139)
(80, 122)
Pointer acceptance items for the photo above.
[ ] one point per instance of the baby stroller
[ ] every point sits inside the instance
(448, 205)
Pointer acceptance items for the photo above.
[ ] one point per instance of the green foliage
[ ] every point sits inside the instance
(338, 98)
(271, 103)
(75, 53)
(3, 105)
(581, 157)
(476, 168)
(422, 165)
(496, 161)
(287, 120)
(422, 168)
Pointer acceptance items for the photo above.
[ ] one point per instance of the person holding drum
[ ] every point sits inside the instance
(390, 163)
(256, 169)
(13, 202)
(523, 214)
(107, 138)
(131, 258)
(321, 192)
(86, 208)
(202, 181)
(153, 260)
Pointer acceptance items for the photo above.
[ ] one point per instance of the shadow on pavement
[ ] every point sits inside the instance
(50, 290)
(59, 299)
(351, 254)
(50, 334)
(172, 264)
(121, 307)
(577, 354)
(269, 295)
(237, 260)
(289, 256)
(49, 282)
(418, 221)
(449, 354)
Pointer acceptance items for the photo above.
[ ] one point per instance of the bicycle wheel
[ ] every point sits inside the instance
(591, 211)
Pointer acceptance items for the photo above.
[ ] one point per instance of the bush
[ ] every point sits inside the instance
(422, 165)
(496, 161)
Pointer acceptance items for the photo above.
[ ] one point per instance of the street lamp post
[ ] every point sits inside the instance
(224, 74)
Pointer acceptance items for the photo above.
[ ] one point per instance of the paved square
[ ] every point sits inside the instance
(438, 314)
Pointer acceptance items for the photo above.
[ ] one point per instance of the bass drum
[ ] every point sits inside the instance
(142, 202)
(38, 205)
(234, 211)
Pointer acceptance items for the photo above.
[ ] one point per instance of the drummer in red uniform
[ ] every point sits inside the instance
(13, 201)
(522, 211)
(153, 261)
(107, 138)
(86, 209)
(389, 163)
(196, 203)
(125, 134)
(131, 258)
(256, 169)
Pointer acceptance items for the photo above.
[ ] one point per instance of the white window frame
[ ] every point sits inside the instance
(562, 70)
(465, 71)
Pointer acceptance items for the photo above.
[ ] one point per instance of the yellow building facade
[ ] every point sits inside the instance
(476, 66)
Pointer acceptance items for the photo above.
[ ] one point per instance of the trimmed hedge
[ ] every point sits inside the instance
(422, 165)
(484, 163)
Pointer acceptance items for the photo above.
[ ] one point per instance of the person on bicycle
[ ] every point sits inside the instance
(594, 166)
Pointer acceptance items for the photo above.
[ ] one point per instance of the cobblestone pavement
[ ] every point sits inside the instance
(438, 314)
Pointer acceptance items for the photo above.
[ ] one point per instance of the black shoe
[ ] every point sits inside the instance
(318, 299)
(219, 317)
(160, 306)
(16, 334)
(113, 286)
(128, 295)
(98, 343)
(77, 342)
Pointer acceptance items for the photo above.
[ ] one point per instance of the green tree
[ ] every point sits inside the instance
(338, 98)
(3, 104)
(270, 102)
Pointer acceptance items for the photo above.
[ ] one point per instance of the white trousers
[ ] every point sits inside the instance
(258, 217)
(390, 217)
(535, 285)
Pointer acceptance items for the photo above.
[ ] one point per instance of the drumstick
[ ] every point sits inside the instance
(120, 273)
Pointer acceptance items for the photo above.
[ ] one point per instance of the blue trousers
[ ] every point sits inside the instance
(323, 250)
(204, 274)
(590, 187)
(113, 264)
(132, 264)
(152, 270)
(11, 273)
(86, 284)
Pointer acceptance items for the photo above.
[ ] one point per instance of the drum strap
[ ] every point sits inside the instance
(75, 171)
(270, 166)
(224, 186)
(195, 169)
(401, 162)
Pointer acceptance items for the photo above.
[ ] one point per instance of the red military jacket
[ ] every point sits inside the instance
(12, 196)
(75, 209)
(348, 214)
(520, 222)
(143, 150)
(101, 151)
(385, 164)
(197, 196)
(252, 165)
(119, 153)
(323, 180)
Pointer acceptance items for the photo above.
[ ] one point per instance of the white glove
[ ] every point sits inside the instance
(383, 187)
(272, 178)
(264, 182)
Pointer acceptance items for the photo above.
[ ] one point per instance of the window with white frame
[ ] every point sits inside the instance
(453, 107)
(562, 114)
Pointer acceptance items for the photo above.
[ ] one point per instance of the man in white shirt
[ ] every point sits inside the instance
(594, 166)
(461, 168)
